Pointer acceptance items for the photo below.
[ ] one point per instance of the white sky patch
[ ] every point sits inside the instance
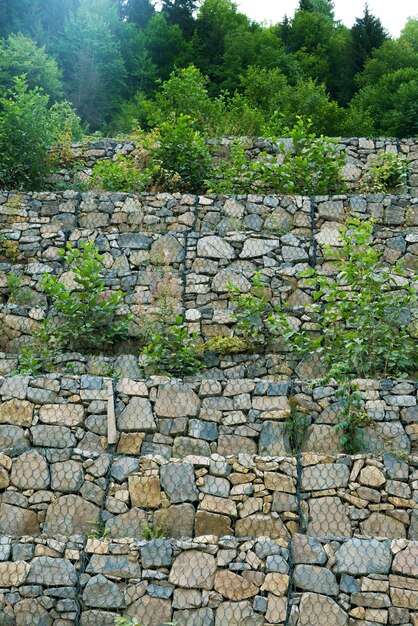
(393, 15)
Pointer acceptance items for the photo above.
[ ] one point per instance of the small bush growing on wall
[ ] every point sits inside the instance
(386, 172)
(85, 316)
(172, 351)
(366, 313)
(182, 156)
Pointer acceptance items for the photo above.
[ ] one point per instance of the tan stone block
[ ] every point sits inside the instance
(276, 583)
(145, 491)
(130, 443)
(404, 598)
(16, 412)
(279, 482)
(233, 586)
(276, 609)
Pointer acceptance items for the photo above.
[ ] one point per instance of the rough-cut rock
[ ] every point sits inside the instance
(103, 593)
(16, 521)
(13, 574)
(212, 524)
(363, 556)
(137, 415)
(176, 521)
(178, 482)
(406, 561)
(145, 491)
(16, 412)
(307, 550)
(150, 611)
(130, 524)
(176, 400)
(193, 569)
(48, 571)
(156, 553)
(318, 610)
(62, 414)
(233, 586)
(328, 517)
(166, 251)
(381, 525)
(325, 476)
(261, 525)
(274, 440)
(214, 247)
(237, 614)
(317, 579)
(30, 471)
(70, 515)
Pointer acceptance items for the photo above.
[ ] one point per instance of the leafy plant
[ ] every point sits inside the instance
(86, 316)
(182, 156)
(296, 425)
(18, 293)
(152, 533)
(315, 166)
(353, 419)
(127, 621)
(121, 174)
(366, 313)
(225, 345)
(34, 361)
(386, 172)
(255, 315)
(98, 529)
(9, 248)
(173, 351)
(26, 131)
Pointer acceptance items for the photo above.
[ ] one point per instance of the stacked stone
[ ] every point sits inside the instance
(210, 581)
(227, 240)
(359, 152)
(257, 529)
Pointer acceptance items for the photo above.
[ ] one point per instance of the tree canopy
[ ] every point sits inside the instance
(111, 58)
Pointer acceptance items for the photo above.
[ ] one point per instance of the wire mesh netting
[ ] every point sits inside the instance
(248, 489)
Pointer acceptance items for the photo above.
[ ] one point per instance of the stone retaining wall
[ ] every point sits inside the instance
(44, 214)
(60, 473)
(209, 581)
(200, 417)
(358, 151)
(225, 239)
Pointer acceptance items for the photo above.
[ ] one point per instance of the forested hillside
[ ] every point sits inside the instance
(112, 59)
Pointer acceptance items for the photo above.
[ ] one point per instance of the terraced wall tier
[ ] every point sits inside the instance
(209, 581)
(358, 151)
(206, 242)
(202, 458)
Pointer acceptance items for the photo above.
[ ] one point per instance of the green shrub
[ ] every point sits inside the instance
(26, 132)
(9, 248)
(315, 166)
(353, 419)
(121, 174)
(365, 321)
(312, 168)
(386, 172)
(18, 293)
(255, 315)
(296, 426)
(173, 351)
(225, 345)
(182, 156)
(85, 317)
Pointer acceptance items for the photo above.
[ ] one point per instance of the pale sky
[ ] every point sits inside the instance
(393, 14)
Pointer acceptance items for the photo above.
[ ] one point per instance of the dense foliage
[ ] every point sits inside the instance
(111, 59)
